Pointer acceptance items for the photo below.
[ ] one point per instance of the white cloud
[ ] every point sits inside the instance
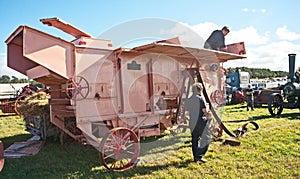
(284, 34)
(249, 35)
(245, 10)
(263, 10)
(205, 29)
(272, 56)
(254, 10)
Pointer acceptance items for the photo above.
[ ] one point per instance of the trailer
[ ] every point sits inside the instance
(107, 97)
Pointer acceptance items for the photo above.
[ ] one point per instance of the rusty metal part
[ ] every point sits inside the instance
(241, 131)
(232, 142)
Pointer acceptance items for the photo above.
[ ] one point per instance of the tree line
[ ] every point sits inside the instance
(13, 79)
(260, 72)
(5, 79)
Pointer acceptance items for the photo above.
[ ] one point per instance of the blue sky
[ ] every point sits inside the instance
(270, 29)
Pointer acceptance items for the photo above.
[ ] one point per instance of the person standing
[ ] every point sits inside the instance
(216, 41)
(199, 124)
(249, 98)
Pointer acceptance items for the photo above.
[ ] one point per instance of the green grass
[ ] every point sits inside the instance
(270, 152)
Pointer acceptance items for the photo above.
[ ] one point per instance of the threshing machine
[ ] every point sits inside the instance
(107, 97)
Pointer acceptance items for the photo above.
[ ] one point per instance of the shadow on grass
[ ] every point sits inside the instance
(76, 160)
(161, 146)
(290, 116)
(146, 169)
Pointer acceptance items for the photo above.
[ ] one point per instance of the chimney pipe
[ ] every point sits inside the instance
(292, 59)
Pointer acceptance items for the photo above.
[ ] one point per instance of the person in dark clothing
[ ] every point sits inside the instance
(249, 98)
(199, 124)
(216, 41)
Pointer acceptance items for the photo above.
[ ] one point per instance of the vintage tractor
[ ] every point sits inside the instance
(290, 98)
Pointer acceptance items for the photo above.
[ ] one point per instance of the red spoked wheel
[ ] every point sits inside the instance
(77, 87)
(119, 149)
(218, 97)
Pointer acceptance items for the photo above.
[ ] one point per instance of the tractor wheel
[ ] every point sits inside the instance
(275, 104)
(119, 149)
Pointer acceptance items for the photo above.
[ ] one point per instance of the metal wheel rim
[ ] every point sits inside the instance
(275, 106)
(77, 87)
(119, 149)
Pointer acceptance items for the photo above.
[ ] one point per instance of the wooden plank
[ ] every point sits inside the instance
(55, 22)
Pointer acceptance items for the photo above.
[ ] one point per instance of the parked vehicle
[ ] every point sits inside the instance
(290, 98)
(237, 81)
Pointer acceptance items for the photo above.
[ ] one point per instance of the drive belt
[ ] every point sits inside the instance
(215, 115)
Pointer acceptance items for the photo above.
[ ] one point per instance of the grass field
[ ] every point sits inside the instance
(273, 151)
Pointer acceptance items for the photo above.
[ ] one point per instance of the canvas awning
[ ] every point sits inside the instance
(180, 51)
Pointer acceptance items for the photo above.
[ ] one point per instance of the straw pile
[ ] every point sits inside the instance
(34, 105)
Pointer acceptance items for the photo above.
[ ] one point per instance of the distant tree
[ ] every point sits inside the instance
(259, 72)
(5, 79)
(23, 80)
(14, 80)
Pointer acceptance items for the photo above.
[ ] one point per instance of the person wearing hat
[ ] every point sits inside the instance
(216, 41)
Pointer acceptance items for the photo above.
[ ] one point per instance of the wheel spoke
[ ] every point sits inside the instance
(80, 79)
(115, 139)
(81, 94)
(114, 164)
(109, 156)
(120, 149)
(110, 147)
(121, 164)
